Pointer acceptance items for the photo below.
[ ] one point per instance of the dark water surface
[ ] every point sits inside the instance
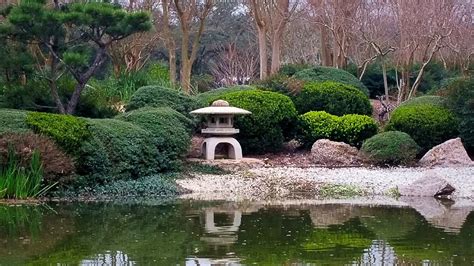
(205, 233)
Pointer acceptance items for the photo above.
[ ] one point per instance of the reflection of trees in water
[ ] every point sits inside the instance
(170, 234)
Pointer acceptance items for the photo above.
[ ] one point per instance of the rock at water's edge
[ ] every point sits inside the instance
(332, 153)
(449, 153)
(429, 185)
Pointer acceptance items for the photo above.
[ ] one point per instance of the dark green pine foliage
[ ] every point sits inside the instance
(73, 36)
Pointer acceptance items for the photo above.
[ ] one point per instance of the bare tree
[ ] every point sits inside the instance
(424, 26)
(335, 19)
(233, 66)
(377, 35)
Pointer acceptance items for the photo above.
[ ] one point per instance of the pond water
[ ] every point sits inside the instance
(220, 233)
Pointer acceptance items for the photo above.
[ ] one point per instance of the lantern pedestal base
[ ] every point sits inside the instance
(209, 145)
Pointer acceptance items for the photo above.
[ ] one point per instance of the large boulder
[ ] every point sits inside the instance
(449, 153)
(332, 153)
(429, 185)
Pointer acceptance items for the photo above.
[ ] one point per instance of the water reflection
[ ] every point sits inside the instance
(220, 233)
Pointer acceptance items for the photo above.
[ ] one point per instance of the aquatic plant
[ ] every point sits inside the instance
(19, 182)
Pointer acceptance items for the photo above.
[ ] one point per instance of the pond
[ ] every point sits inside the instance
(205, 233)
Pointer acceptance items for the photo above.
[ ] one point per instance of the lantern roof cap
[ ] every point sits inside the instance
(220, 107)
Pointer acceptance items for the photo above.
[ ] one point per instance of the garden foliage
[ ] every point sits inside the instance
(208, 97)
(321, 74)
(334, 98)
(67, 131)
(460, 99)
(427, 99)
(352, 129)
(427, 124)
(271, 122)
(13, 121)
(158, 96)
(390, 148)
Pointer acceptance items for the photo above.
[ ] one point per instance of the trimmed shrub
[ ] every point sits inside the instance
(272, 119)
(291, 69)
(334, 98)
(317, 125)
(57, 166)
(390, 148)
(351, 129)
(67, 131)
(170, 130)
(321, 74)
(13, 121)
(354, 129)
(128, 150)
(208, 97)
(138, 143)
(460, 99)
(157, 96)
(431, 100)
(281, 83)
(428, 125)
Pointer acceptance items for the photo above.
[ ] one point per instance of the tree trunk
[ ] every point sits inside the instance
(74, 100)
(262, 50)
(385, 81)
(326, 58)
(172, 63)
(186, 67)
(276, 53)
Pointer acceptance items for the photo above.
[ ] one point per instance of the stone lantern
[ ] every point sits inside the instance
(220, 128)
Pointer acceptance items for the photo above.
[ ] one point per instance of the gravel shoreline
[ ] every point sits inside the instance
(263, 183)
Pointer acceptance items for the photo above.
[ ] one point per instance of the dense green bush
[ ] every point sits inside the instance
(67, 131)
(428, 99)
(373, 78)
(157, 96)
(207, 97)
(120, 149)
(291, 69)
(272, 119)
(138, 143)
(351, 129)
(170, 130)
(390, 148)
(317, 125)
(320, 74)
(427, 124)
(281, 83)
(354, 129)
(460, 99)
(13, 121)
(332, 97)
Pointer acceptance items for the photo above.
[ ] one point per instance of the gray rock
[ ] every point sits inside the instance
(449, 153)
(429, 185)
(195, 147)
(332, 153)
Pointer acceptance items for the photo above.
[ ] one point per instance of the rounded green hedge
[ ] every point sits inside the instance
(333, 97)
(66, 130)
(321, 74)
(13, 121)
(427, 124)
(170, 130)
(390, 148)
(352, 129)
(428, 99)
(208, 97)
(271, 122)
(157, 96)
(281, 83)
